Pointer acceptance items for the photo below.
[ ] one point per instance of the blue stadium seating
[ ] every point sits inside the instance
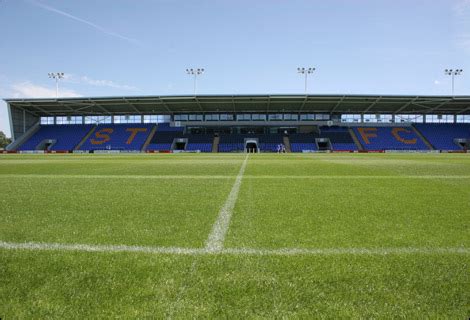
(340, 138)
(201, 142)
(231, 143)
(236, 142)
(441, 136)
(118, 137)
(67, 137)
(389, 138)
(165, 135)
(302, 141)
(165, 127)
(159, 146)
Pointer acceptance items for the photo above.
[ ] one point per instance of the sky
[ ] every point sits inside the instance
(142, 47)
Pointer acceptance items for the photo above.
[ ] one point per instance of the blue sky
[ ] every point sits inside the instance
(142, 47)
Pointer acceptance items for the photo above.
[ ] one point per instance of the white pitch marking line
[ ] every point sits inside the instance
(319, 177)
(35, 246)
(215, 241)
(115, 176)
(97, 248)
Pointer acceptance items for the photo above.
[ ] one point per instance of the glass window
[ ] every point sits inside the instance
(195, 117)
(47, 120)
(244, 117)
(291, 117)
(275, 117)
(440, 118)
(181, 117)
(258, 117)
(226, 117)
(322, 116)
(69, 120)
(128, 119)
(156, 118)
(307, 117)
(212, 117)
(463, 118)
(350, 118)
(411, 118)
(97, 119)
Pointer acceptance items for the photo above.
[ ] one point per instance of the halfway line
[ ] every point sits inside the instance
(215, 241)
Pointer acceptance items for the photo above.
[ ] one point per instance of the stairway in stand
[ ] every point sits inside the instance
(215, 144)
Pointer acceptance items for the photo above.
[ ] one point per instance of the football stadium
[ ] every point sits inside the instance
(234, 159)
(253, 206)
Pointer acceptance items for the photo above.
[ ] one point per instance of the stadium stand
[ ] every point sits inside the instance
(340, 138)
(441, 136)
(389, 138)
(133, 136)
(221, 123)
(165, 136)
(64, 137)
(118, 137)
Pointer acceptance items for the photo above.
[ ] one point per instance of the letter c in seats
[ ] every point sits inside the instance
(396, 134)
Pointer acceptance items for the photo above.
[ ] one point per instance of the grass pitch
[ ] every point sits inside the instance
(324, 235)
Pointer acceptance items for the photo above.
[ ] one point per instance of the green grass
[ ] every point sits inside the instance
(330, 201)
(152, 212)
(84, 285)
(343, 212)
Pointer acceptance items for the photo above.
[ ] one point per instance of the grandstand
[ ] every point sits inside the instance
(256, 123)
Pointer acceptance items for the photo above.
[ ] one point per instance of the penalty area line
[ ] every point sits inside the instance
(62, 247)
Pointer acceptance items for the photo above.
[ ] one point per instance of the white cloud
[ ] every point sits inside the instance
(89, 23)
(105, 83)
(437, 82)
(30, 90)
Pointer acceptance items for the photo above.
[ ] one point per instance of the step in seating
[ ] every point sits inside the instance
(389, 138)
(65, 137)
(118, 137)
(442, 135)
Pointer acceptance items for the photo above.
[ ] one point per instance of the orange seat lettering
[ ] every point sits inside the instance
(102, 136)
(396, 134)
(134, 132)
(367, 133)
